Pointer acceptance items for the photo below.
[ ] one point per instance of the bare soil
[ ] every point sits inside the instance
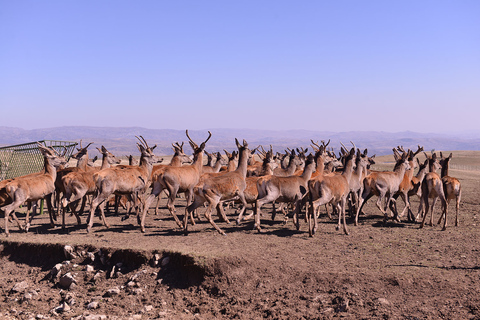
(393, 271)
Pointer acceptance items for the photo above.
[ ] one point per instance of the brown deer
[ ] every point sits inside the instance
(294, 161)
(451, 187)
(220, 188)
(384, 185)
(251, 191)
(407, 184)
(33, 187)
(178, 180)
(219, 162)
(432, 188)
(289, 189)
(179, 159)
(79, 184)
(131, 180)
(232, 161)
(332, 189)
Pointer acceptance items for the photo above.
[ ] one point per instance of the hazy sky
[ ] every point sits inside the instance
(316, 65)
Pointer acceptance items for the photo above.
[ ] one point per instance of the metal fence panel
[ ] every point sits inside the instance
(21, 159)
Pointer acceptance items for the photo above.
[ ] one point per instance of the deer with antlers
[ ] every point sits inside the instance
(384, 185)
(179, 159)
(251, 191)
(332, 189)
(79, 184)
(131, 180)
(408, 185)
(219, 188)
(178, 180)
(33, 187)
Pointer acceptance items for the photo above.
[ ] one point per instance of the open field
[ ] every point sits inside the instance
(397, 271)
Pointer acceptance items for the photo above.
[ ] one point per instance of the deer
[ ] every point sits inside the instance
(407, 186)
(432, 188)
(82, 165)
(217, 166)
(452, 187)
(222, 187)
(289, 189)
(179, 159)
(292, 166)
(79, 184)
(178, 180)
(251, 191)
(332, 189)
(232, 161)
(415, 187)
(132, 180)
(33, 187)
(384, 185)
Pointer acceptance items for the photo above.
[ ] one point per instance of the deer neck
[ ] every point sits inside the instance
(198, 162)
(444, 171)
(421, 174)
(231, 165)
(105, 163)
(176, 161)
(308, 171)
(83, 162)
(146, 165)
(291, 167)
(217, 166)
(409, 172)
(348, 170)
(320, 164)
(49, 168)
(242, 163)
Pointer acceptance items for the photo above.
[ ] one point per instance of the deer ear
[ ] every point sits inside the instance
(450, 156)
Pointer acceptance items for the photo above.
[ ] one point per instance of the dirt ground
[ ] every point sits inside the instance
(397, 271)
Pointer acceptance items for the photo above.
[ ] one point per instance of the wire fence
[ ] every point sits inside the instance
(22, 159)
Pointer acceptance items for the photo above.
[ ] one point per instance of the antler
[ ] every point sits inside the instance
(420, 149)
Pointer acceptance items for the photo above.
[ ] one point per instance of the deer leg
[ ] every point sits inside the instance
(296, 213)
(171, 206)
(342, 213)
(28, 220)
(197, 202)
(445, 209)
(457, 207)
(208, 215)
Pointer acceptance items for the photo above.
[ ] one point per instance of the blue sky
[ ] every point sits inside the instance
(315, 65)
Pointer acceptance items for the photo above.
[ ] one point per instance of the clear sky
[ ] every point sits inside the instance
(316, 65)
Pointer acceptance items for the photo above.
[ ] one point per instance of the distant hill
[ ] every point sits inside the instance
(122, 141)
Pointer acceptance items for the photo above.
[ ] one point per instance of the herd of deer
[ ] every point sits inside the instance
(293, 179)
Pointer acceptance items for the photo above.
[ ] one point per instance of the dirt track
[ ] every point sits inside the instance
(382, 272)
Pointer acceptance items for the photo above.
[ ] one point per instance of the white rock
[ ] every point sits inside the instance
(20, 286)
(92, 305)
(69, 252)
(89, 268)
(95, 317)
(148, 308)
(383, 301)
(113, 292)
(91, 256)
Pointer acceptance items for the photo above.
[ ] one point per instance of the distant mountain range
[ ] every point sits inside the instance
(121, 141)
